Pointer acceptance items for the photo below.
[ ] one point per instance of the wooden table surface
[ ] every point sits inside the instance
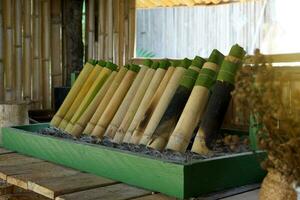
(52, 181)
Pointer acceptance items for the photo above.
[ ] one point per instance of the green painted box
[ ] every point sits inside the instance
(179, 180)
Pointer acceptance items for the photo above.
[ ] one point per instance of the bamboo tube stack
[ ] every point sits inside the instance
(155, 104)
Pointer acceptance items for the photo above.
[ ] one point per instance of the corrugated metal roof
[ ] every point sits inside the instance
(172, 3)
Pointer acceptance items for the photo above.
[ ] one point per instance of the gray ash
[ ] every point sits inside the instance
(220, 149)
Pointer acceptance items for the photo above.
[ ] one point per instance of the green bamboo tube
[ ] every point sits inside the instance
(119, 135)
(116, 101)
(158, 77)
(150, 107)
(163, 103)
(88, 113)
(101, 107)
(193, 110)
(118, 117)
(171, 115)
(83, 76)
(80, 95)
(96, 86)
(218, 102)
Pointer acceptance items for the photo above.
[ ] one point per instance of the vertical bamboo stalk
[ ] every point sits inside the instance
(101, 107)
(56, 45)
(18, 48)
(46, 54)
(116, 16)
(109, 30)
(120, 113)
(1, 54)
(126, 30)
(8, 50)
(121, 33)
(27, 51)
(132, 27)
(91, 28)
(37, 93)
(102, 15)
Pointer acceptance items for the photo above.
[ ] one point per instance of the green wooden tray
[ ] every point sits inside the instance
(179, 180)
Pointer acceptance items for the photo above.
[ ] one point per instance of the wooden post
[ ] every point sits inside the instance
(18, 48)
(2, 97)
(8, 50)
(91, 29)
(37, 92)
(102, 16)
(46, 54)
(56, 45)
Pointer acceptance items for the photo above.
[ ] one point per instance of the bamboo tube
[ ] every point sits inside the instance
(27, 51)
(116, 14)
(218, 103)
(118, 117)
(80, 81)
(80, 95)
(102, 12)
(56, 45)
(92, 92)
(134, 104)
(121, 32)
(100, 109)
(149, 109)
(91, 28)
(88, 113)
(18, 49)
(2, 97)
(109, 29)
(154, 84)
(132, 27)
(149, 128)
(8, 46)
(115, 102)
(37, 70)
(193, 110)
(46, 54)
(170, 117)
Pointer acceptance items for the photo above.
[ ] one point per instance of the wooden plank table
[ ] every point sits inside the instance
(53, 181)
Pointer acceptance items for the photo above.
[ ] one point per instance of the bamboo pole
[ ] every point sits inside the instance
(132, 28)
(191, 115)
(150, 107)
(37, 93)
(100, 109)
(120, 113)
(134, 104)
(8, 50)
(92, 92)
(56, 44)
(18, 48)
(149, 128)
(75, 90)
(27, 51)
(115, 102)
(109, 30)
(121, 33)
(102, 12)
(218, 103)
(80, 95)
(153, 85)
(46, 62)
(91, 28)
(88, 113)
(170, 117)
(2, 97)
(116, 22)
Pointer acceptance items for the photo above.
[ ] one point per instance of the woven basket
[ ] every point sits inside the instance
(276, 187)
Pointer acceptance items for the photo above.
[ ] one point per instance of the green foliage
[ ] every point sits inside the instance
(142, 53)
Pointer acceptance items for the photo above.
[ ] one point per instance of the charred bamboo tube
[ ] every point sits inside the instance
(83, 91)
(96, 86)
(150, 107)
(193, 110)
(115, 102)
(218, 103)
(153, 86)
(118, 117)
(88, 113)
(118, 138)
(101, 107)
(83, 76)
(163, 103)
(171, 115)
